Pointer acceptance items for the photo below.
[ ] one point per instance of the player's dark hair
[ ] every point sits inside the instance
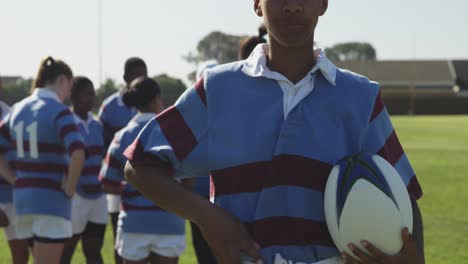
(247, 45)
(49, 70)
(79, 83)
(133, 63)
(141, 93)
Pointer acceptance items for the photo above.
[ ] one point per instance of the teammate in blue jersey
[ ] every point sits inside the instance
(269, 130)
(47, 159)
(89, 205)
(115, 115)
(18, 247)
(145, 232)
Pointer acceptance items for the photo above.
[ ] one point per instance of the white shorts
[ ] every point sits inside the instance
(135, 247)
(43, 228)
(9, 210)
(86, 210)
(113, 203)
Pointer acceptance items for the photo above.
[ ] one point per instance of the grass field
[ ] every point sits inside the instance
(438, 149)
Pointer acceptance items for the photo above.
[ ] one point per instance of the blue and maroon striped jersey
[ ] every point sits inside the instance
(89, 185)
(41, 133)
(6, 190)
(138, 215)
(114, 115)
(268, 170)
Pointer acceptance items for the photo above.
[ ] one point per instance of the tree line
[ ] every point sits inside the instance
(217, 46)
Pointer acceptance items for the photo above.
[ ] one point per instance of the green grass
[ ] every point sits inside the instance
(438, 149)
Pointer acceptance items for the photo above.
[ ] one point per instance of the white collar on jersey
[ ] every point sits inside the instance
(45, 93)
(255, 65)
(143, 117)
(86, 122)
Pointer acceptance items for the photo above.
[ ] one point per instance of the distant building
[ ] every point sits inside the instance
(403, 77)
(419, 86)
(461, 71)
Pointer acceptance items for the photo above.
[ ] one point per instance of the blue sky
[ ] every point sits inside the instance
(162, 32)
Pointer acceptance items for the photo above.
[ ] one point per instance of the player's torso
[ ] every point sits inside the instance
(35, 139)
(115, 114)
(89, 186)
(38, 157)
(139, 214)
(270, 171)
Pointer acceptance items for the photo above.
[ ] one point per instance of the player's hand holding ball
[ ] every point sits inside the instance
(369, 212)
(407, 255)
(228, 238)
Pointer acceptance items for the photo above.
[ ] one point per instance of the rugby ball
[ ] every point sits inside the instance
(366, 199)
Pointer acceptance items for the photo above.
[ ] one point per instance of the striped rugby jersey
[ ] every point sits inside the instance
(89, 185)
(270, 170)
(6, 190)
(138, 214)
(41, 132)
(114, 115)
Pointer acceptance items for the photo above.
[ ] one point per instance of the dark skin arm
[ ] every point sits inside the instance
(411, 253)
(225, 234)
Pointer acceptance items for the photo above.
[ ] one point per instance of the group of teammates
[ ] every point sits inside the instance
(50, 151)
(267, 129)
(142, 231)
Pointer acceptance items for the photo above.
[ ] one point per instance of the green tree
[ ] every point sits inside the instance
(217, 46)
(351, 51)
(171, 88)
(14, 93)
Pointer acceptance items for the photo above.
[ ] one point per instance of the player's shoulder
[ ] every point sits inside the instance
(111, 100)
(223, 71)
(356, 83)
(59, 110)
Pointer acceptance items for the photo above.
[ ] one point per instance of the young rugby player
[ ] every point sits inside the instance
(268, 130)
(18, 247)
(89, 206)
(115, 115)
(47, 159)
(145, 232)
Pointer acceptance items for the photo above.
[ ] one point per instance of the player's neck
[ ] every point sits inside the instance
(292, 62)
(83, 115)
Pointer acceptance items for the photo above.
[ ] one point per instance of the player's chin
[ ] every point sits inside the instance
(294, 39)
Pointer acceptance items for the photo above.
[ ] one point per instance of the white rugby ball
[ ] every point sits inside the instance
(366, 199)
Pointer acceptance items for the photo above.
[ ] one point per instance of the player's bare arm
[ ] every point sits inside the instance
(225, 234)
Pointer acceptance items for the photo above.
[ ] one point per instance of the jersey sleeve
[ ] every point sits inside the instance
(177, 138)
(112, 170)
(5, 137)
(381, 139)
(69, 131)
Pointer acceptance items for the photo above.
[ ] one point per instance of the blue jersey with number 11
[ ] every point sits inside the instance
(41, 133)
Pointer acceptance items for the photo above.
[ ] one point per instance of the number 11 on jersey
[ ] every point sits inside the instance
(32, 132)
